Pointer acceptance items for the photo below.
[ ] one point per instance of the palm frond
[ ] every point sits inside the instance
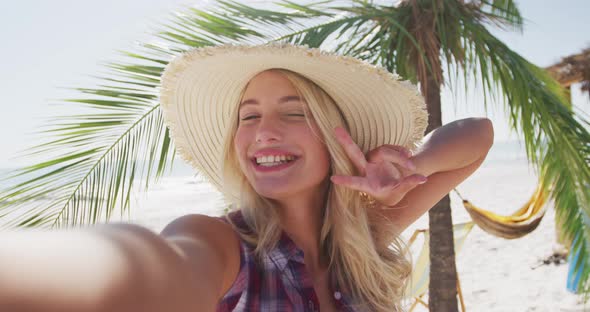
(556, 140)
(96, 158)
(96, 153)
(502, 13)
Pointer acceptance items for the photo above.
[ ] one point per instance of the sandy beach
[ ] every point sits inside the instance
(497, 275)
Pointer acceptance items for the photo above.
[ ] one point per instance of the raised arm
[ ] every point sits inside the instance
(405, 186)
(116, 267)
(448, 156)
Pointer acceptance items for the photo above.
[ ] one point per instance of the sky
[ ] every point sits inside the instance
(48, 46)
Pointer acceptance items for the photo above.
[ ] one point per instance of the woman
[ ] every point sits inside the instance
(313, 151)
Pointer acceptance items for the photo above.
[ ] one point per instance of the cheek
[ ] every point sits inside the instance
(320, 163)
(321, 155)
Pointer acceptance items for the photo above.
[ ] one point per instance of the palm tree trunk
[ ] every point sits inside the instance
(442, 293)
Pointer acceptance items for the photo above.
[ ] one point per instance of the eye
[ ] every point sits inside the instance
(294, 113)
(250, 117)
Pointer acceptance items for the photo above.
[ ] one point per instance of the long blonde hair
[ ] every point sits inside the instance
(366, 255)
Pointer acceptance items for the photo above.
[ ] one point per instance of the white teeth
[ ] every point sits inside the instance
(274, 159)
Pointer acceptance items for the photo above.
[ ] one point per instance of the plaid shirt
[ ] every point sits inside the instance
(279, 284)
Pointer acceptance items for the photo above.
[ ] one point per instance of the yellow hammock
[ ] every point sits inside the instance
(523, 221)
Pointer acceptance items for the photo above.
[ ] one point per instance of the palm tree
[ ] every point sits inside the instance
(102, 154)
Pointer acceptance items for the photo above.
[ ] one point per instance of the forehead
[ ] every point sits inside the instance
(270, 86)
(269, 80)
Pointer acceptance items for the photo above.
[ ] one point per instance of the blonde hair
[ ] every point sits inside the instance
(366, 255)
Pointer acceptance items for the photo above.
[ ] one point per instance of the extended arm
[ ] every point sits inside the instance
(114, 268)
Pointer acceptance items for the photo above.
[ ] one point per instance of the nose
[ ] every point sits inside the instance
(268, 130)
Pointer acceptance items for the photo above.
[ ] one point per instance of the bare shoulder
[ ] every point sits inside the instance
(208, 242)
(200, 226)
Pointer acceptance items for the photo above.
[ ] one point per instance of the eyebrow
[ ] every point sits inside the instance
(283, 99)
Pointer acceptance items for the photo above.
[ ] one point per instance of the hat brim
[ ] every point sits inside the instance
(201, 87)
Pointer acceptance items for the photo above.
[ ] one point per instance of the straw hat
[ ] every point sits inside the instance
(201, 87)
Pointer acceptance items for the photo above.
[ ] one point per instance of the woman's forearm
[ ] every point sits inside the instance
(57, 269)
(454, 145)
(107, 268)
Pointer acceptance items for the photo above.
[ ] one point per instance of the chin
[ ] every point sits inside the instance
(281, 190)
(274, 192)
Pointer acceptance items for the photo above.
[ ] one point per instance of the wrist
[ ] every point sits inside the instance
(422, 165)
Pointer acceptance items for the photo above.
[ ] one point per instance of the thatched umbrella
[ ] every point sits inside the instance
(573, 69)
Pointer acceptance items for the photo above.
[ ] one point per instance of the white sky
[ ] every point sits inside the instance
(47, 45)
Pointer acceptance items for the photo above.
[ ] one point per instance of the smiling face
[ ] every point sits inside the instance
(277, 147)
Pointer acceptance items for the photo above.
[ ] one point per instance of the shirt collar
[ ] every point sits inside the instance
(286, 251)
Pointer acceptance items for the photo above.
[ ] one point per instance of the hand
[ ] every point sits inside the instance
(379, 177)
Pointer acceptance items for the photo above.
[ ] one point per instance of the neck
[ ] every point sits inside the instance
(301, 218)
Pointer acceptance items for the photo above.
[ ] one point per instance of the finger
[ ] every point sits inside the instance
(351, 148)
(387, 153)
(355, 183)
(408, 153)
(400, 148)
(410, 182)
(403, 187)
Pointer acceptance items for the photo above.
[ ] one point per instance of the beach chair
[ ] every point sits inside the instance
(418, 286)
